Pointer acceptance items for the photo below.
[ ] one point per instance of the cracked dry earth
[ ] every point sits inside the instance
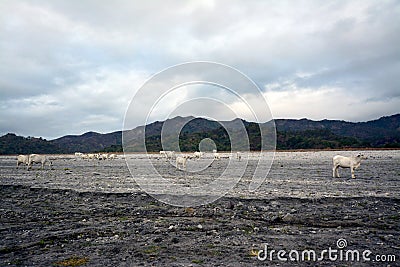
(93, 213)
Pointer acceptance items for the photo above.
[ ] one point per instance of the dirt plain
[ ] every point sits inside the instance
(93, 213)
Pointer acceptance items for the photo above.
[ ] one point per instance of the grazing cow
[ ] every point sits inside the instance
(22, 159)
(198, 155)
(78, 155)
(102, 156)
(35, 158)
(170, 154)
(346, 162)
(181, 161)
(91, 156)
(167, 154)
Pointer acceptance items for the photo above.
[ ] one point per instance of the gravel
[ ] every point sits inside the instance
(92, 213)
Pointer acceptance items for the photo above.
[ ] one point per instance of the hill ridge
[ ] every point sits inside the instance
(291, 134)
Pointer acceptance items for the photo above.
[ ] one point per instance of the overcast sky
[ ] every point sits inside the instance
(67, 67)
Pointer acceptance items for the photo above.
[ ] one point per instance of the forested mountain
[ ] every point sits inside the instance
(291, 134)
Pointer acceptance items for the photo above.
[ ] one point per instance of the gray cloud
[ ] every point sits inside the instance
(69, 67)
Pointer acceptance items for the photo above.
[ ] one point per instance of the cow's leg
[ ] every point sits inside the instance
(352, 172)
(337, 171)
(334, 171)
(356, 166)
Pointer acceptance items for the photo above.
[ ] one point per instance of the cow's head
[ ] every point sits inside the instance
(361, 156)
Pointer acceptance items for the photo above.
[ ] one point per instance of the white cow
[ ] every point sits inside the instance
(181, 161)
(112, 156)
(168, 154)
(24, 159)
(198, 154)
(346, 162)
(78, 155)
(35, 158)
(102, 156)
(92, 156)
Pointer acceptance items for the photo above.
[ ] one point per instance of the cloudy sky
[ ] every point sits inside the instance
(67, 67)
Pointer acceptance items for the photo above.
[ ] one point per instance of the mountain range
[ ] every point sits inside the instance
(290, 134)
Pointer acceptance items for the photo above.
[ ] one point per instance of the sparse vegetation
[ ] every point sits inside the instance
(73, 261)
(152, 250)
(197, 261)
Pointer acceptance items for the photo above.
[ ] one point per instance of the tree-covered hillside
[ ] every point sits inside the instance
(291, 134)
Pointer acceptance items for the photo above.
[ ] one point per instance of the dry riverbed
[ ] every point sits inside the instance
(92, 213)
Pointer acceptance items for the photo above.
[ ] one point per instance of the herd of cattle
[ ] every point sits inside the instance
(28, 160)
(182, 159)
(98, 156)
(197, 155)
(33, 158)
(338, 161)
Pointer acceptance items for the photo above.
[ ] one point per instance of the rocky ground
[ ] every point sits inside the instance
(93, 214)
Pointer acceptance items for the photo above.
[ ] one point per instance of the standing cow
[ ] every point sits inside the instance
(346, 162)
(181, 161)
(35, 158)
(22, 159)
